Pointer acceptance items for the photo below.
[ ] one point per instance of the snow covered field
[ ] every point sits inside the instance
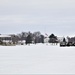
(37, 59)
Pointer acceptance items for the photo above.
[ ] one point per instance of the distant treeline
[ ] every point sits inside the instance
(37, 37)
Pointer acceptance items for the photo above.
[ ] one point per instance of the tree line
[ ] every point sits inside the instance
(37, 37)
(31, 38)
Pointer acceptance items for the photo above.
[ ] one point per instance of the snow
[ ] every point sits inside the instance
(1, 36)
(37, 59)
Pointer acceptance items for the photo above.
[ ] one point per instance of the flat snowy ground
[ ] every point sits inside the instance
(37, 59)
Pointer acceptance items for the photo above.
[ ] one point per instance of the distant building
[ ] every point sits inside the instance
(5, 40)
(5, 37)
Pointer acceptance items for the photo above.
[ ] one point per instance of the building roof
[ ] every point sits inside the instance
(4, 36)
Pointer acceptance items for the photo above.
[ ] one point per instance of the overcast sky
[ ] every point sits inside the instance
(46, 16)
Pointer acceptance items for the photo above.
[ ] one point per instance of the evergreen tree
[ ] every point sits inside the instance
(64, 40)
(52, 38)
(29, 39)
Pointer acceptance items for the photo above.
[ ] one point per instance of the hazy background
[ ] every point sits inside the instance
(46, 16)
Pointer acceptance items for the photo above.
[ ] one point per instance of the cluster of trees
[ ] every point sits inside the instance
(34, 38)
(37, 37)
(29, 37)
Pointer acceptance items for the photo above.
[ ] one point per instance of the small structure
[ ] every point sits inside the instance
(63, 43)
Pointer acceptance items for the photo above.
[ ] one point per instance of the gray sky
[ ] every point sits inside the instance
(46, 16)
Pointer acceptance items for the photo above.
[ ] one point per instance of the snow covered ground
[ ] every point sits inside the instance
(37, 59)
